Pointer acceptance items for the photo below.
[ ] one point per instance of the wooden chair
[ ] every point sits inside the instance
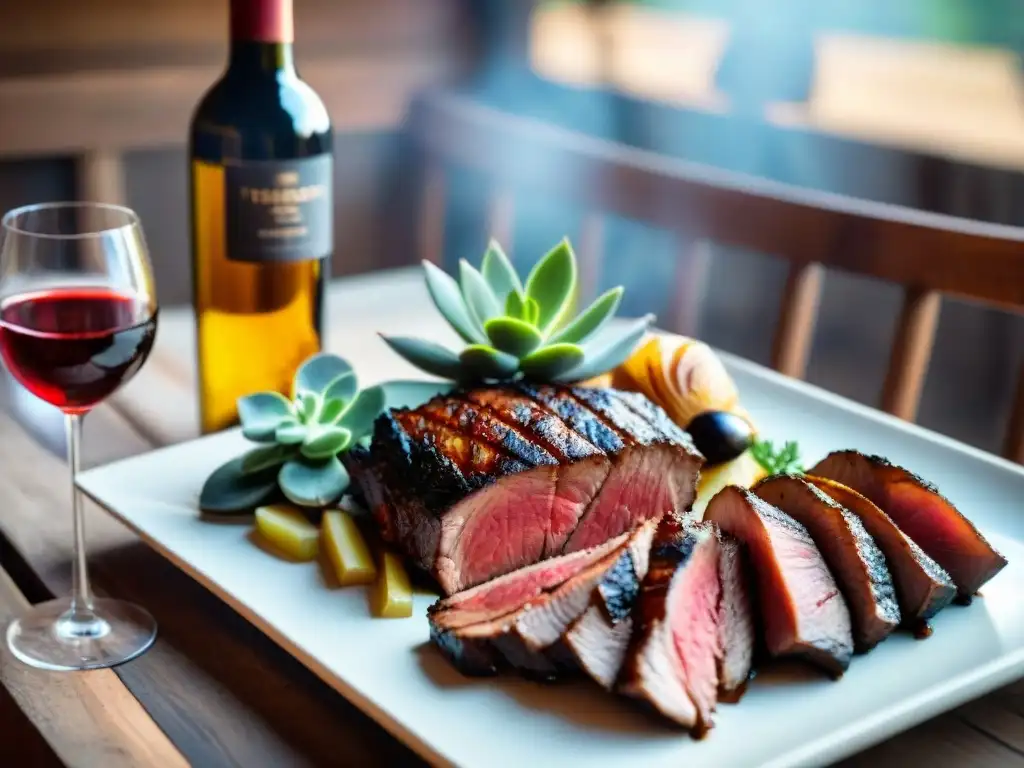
(928, 254)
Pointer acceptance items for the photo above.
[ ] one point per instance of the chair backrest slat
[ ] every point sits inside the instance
(432, 212)
(797, 318)
(1013, 447)
(693, 258)
(590, 254)
(911, 352)
(501, 216)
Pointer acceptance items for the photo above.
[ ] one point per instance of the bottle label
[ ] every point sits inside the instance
(279, 210)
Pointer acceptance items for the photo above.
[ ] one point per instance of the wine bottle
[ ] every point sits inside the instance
(261, 205)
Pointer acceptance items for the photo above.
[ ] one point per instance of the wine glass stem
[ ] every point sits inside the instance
(80, 621)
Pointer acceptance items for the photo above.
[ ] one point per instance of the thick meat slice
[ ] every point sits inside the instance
(735, 620)
(598, 639)
(518, 619)
(922, 513)
(849, 551)
(478, 483)
(672, 660)
(923, 588)
(801, 608)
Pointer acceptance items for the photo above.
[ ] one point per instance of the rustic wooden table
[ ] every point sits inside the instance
(213, 691)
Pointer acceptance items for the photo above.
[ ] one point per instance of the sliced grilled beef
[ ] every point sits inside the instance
(598, 639)
(672, 660)
(923, 588)
(802, 611)
(735, 620)
(849, 551)
(478, 483)
(518, 620)
(922, 513)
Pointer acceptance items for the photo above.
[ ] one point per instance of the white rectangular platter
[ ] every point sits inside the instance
(788, 717)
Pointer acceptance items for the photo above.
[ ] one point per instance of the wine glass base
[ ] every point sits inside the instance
(48, 637)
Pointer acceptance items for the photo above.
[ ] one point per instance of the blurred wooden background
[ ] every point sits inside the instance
(95, 99)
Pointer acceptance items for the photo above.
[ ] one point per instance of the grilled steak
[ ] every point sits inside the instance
(597, 640)
(673, 657)
(527, 635)
(922, 513)
(802, 610)
(478, 483)
(735, 620)
(923, 588)
(849, 551)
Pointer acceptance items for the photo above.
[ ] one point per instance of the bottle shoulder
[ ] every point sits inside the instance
(273, 116)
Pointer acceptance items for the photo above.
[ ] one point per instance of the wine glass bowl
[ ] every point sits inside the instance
(78, 316)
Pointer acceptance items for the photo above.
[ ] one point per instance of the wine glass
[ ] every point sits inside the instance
(78, 315)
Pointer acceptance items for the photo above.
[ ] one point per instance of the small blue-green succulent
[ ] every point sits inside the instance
(515, 330)
(299, 440)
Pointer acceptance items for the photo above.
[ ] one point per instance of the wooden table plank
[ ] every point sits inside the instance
(222, 692)
(88, 719)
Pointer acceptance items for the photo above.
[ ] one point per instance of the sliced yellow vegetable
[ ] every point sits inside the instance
(288, 530)
(346, 549)
(393, 598)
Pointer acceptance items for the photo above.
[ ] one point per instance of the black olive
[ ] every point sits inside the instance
(719, 435)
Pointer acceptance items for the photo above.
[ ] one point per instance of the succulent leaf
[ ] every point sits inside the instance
(343, 388)
(426, 355)
(307, 406)
(332, 410)
(229, 490)
(514, 304)
(313, 483)
(479, 361)
(319, 371)
(531, 311)
(499, 273)
(360, 415)
(291, 433)
(449, 302)
(514, 336)
(610, 349)
(265, 457)
(261, 413)
(551, 361)
(322, 442)
(592, 319)
(552, 282)
(480, 299)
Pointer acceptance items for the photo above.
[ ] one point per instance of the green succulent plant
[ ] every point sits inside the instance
(515, 329)
(299, 440)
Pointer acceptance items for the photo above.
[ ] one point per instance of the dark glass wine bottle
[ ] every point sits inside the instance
(261, 201)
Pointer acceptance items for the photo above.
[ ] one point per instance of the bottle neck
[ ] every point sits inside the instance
(261, 36)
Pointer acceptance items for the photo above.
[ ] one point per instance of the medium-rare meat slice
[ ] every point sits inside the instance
(672, 660)
(473, 653)
(598, 639)
(478, 483)
(922, 513)
(518, 619)
(736, 634)
(802, 611)
(849, 551)
(923, 588)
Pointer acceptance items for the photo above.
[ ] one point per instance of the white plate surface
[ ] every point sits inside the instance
(788, 717)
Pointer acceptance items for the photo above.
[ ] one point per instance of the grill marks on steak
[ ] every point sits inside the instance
(849, 551)
(478, 483)
(922, 513)
(923, 587)
(803, 613)
(673, 657)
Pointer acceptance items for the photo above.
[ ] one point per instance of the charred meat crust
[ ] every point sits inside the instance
(424, 461)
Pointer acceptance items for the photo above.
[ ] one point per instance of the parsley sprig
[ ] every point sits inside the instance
(784, 461)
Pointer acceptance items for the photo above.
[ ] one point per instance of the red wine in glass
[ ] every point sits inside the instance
(72, 347)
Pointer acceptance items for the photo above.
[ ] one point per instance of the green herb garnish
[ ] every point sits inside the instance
(785, 461)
